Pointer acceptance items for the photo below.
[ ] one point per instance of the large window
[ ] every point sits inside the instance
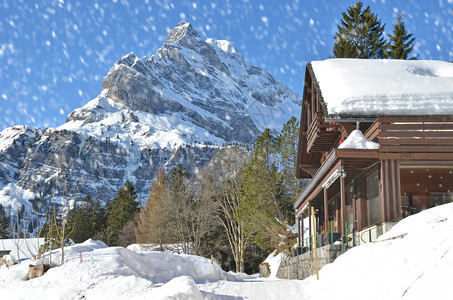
(425, 186)
(373, 201)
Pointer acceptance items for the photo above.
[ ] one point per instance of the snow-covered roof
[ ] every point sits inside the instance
(364, 87)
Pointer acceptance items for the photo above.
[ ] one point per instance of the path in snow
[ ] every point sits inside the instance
(258, 289)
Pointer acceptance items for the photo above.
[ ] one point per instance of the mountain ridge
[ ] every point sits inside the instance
(176, 107)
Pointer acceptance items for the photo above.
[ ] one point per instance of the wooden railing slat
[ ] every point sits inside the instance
(426, 118)
(425, 134)
(414, 141)
(416, 156)
(410, 148)
(415, 126)
(372, 131)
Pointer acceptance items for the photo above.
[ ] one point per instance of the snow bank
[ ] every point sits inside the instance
(179, 288)
(374, 86)
(356, 140)
(95, 271)
(412, 261)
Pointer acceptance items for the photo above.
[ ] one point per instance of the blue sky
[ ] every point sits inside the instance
(54, 54)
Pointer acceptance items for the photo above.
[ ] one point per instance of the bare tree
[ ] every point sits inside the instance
(57, 234)
(203, 213)
(16, 234)
(228, 164)
(34, 246)
(57, 231)
(179, 211)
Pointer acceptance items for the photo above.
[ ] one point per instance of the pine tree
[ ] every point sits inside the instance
(49, 229)
(88, 218)
(287, 152)
(260, 192)
(360, 34)
(124, 207)
(401, 42)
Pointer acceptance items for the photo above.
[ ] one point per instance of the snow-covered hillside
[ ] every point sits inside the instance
(412, 261)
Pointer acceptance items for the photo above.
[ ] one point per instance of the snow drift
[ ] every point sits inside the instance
(95, 271)
(411, 261)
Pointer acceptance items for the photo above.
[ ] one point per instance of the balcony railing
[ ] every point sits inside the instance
(416, 137)
(320, 135)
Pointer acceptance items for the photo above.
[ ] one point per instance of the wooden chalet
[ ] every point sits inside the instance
(406, 107)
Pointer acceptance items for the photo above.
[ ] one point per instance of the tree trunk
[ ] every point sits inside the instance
(62, 244)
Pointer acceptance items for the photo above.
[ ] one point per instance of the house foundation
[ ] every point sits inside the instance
(303, 266)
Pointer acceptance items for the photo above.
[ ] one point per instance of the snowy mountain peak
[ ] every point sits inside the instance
(183, 30)
(128, 60)
(208, 83)
(223, 45)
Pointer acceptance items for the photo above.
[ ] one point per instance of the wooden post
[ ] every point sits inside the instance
(326, 209)
(309, 223)
(385, 174)
(337, 215)
(302, 225)
(381, 195)
(342, 204)
(397, 173)
(358, 208)
(314, 239)
(298, 231)
(390, 190)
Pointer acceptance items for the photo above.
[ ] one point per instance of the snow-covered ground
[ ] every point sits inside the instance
(414, 260)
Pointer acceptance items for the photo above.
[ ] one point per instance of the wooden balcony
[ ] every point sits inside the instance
(321, 136)
(416, 137)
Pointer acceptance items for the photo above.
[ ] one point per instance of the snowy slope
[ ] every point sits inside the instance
(412, 261)
(94, 271)
(103, 118)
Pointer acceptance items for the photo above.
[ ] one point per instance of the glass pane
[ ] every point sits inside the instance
(374, 207)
